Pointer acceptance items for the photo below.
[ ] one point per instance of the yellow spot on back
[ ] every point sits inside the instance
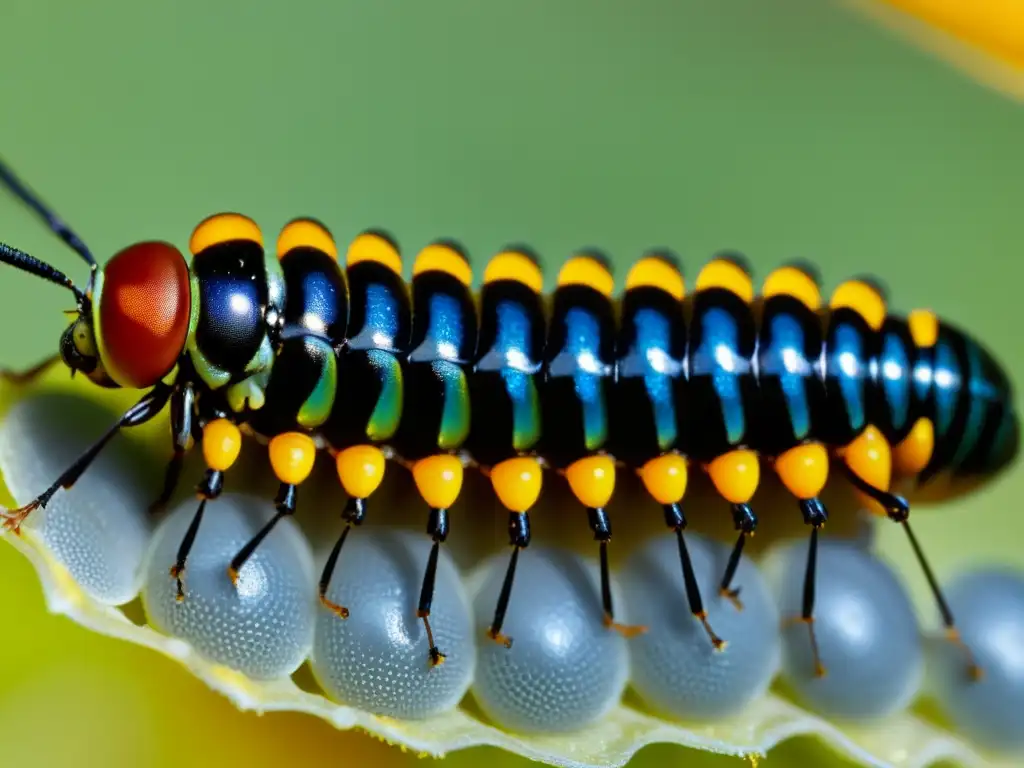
(912, 455)
(306, 233)
(361, 470)
(592, 480)
(665, 478)
(442, 258)
(736, 475)
(439, 480)
(790, 281)
(510, 265)
(292, 455)
(656, 273)
(222, 442)
(722, 273)
(803, 470)
(588, 271)
(862, 299)
(924, 327)
(223, 228)
(517, 483)
(372, 247)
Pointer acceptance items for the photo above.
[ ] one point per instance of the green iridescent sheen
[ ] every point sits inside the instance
(387, 414)
(317, 407)
(526, 426)
(455, 416)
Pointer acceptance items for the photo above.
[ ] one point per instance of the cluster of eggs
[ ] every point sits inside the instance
(565, 670)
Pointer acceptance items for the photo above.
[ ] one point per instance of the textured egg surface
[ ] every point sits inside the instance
(99, 557)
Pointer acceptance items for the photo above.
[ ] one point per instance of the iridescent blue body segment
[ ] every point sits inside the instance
(233, 296)
(650, 391)
(371, 387)
(850, 354)
(436, 404)
(723, 393)
(303, 383)
(580, 370)
(504, 383)
(790, 375)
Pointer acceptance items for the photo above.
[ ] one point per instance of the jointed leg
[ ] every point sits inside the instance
(868, 466)
(144, 410)
(439, 481)
(222, 442)
(182, 408)
(292, 455)
(517, 483)
(592, 481)
(665, 478)
(736, 476)
(361, 471)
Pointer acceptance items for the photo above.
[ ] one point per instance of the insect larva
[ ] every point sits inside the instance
(306, 354)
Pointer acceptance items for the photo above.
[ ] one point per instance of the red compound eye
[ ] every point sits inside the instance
(143, 313)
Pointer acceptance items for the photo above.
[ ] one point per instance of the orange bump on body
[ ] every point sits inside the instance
(862, 299)
(722, 273)
(914, 452)
(804, 470)
(592, 480)
(924, 327)
(665, 478)
(438, 479)
(292, 455)
(517, 483)
(510, 265)
(443, 258)
(370, 246)
(222, 442)
(790, 281)
(588, 271)
(306, 233)
(656, 273)
(361, 470)
(870, 458)
(223, 228)
(736, 475)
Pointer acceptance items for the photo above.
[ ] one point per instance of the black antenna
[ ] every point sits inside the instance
(34, 266)
(62, 230)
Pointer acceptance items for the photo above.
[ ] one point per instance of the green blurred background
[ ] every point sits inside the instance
(792, 128)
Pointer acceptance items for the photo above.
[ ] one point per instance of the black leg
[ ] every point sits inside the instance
(519, 539)
(815, 515)
(675, 520)
(27, 376)
(437, 529)
(208, 490)
(745, 522)
(353, 514)
(285, 502)
(62, 230)
(182, 409)
(899, 511)
(148, 407)
(602, 528)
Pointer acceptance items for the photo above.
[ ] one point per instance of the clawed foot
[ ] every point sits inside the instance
(176, 574)
(13, 518)
(436, 657)
(733, 596)
(338, 610)
(974, 672)
(499, 638)
(626, 630)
